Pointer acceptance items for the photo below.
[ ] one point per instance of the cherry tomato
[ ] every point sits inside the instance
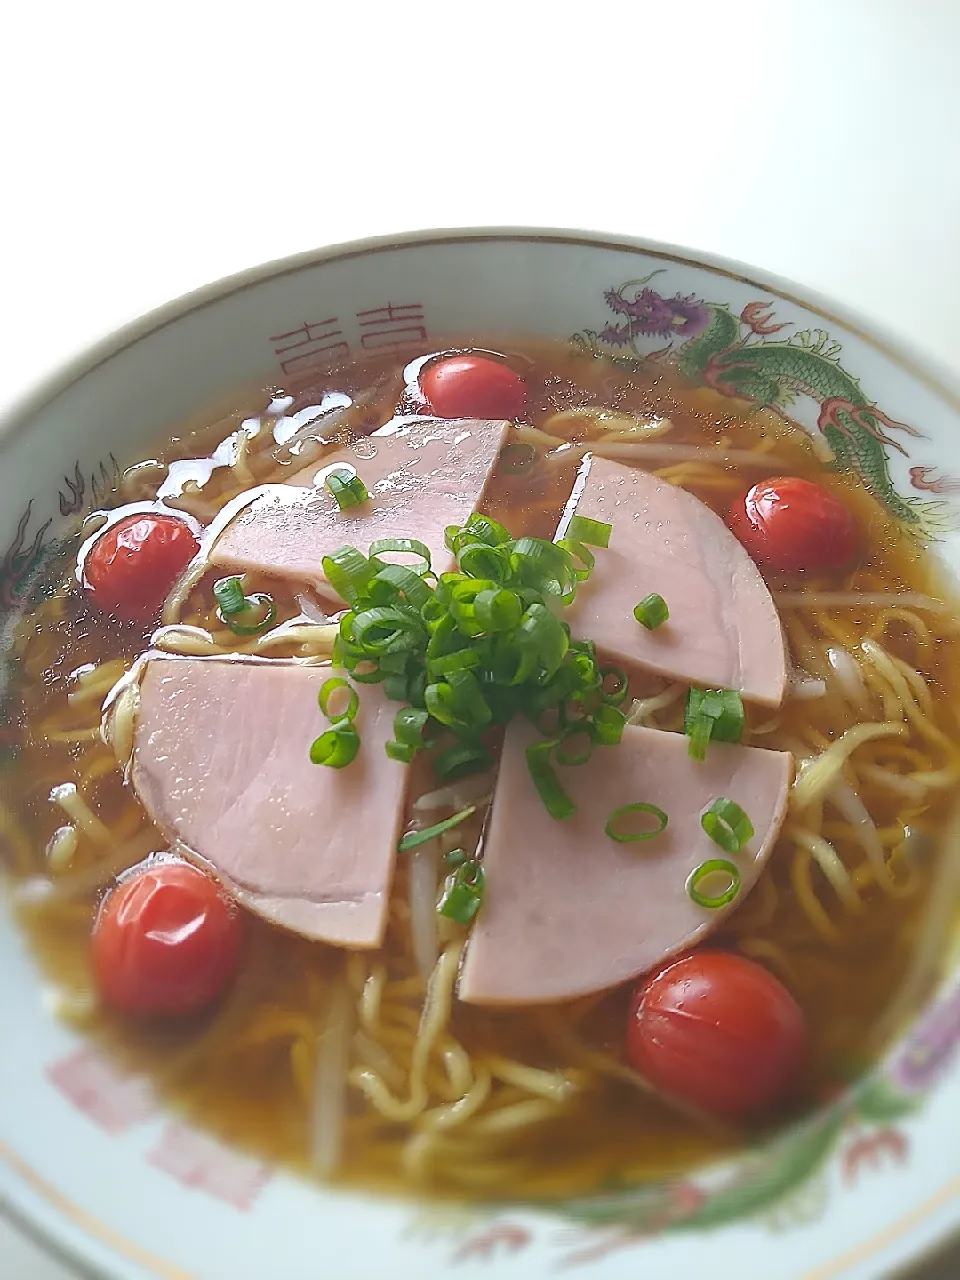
(718, 1032)
(131, 567)
(794, 525)
(166, 941)
(473, 387)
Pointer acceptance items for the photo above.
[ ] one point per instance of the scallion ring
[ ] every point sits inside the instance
(616, 825)
(652, 611)
(329, 689)
(727, 825)
(405, 546)
(595, 533)
(259, 601)
(462, 895)
(347, 488)
(705, 871)
(349, 572)
(228, 593)
(608, 725)
(337, 747)
(614, 685)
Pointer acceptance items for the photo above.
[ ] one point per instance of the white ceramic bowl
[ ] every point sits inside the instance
(85, 1156)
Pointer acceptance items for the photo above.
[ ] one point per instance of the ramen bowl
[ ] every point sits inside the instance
(90, 1159)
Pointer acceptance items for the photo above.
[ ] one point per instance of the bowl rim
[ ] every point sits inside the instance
(936, 374)
(71, 1242)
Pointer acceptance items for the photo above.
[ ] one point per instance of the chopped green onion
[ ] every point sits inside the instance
(652, 611)
(399, 580)
(337, 747)
(456, 857)
(537, 562)
(480, 561)
(475, 647)
(461, 660)
(462, 894)
(727, 825)
(516, 458)
(614, 826)
(228, 593)
(347, 488)
(724, 707)
(251, 604)
(698, 731)
(486, 529)
(556, 801)
(567, 755)
(413, 839)
(582, 559)
(498, 610)
(349, 572)
(457, 702)
(462, 759)
(608, 725)
(329, 689)
(408, 726)
(406, 546)
(596, 533)
(616, 695)
(712, 714)
(706, 870)
(386, 629)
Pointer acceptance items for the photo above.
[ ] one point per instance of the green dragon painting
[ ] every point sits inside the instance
(709, 345)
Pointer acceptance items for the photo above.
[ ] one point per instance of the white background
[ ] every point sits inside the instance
(147, 148)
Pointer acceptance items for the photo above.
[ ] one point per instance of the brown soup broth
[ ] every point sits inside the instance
(245, 1069)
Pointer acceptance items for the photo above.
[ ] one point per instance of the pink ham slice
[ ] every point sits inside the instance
(723, 630)
(221, 763)
(425, 473)
(569, 911)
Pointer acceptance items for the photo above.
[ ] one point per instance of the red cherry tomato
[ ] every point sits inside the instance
(794, 525)
(166, 941)
(131, 567)
(473, 387)
(718, 1032)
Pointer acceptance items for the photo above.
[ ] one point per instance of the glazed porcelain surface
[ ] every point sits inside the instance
(86, 1154)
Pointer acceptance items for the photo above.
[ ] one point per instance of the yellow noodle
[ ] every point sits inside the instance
(471, 1102)
(800, 875)
(816, 779)
(548, 1084)
(61, 848)
(76, 808)
(830, 864)
(93, 685)
(456, 1113)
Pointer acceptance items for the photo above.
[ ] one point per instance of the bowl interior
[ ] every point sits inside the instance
(83, 1149)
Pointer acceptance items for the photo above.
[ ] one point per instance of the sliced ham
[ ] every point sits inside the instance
(221, 763)
(723, 630)
(424, 474)
(567, 910)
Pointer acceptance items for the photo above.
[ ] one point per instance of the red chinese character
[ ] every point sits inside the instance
(111, 1099)
(316, 343)
(207, 1165)
(393, 327)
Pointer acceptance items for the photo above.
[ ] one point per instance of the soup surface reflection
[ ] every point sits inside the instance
(364, 1064)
